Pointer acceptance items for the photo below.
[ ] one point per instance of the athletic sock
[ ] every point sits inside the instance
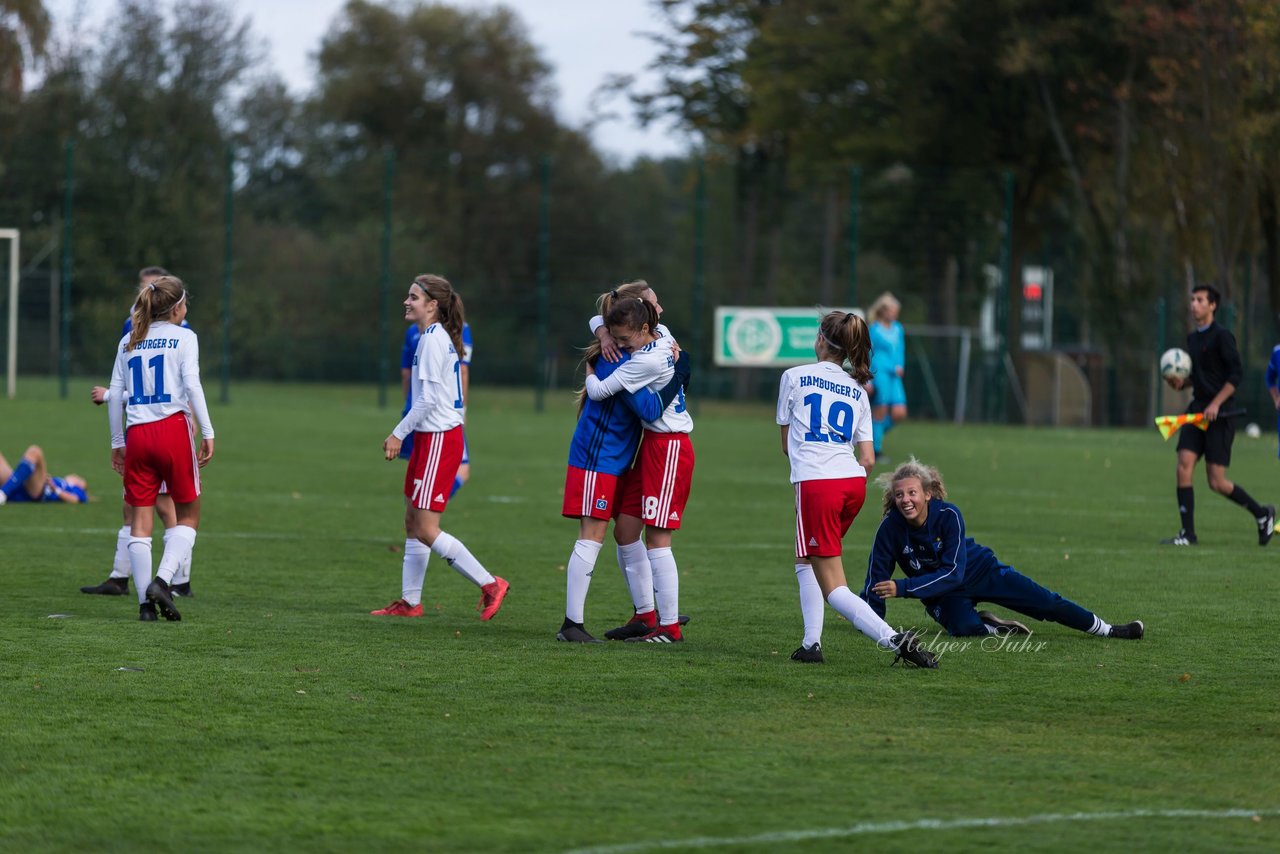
(120, 567)
(666, 585)
(1187, 509)
(457, 484)
(178, 543)
(20, 474)
(1243, 498)
(1100, 627)
(860, 614)
(413, 572)
(812, 606)
(582, 563)
(456, 555)
(633, 560)
(140, 565)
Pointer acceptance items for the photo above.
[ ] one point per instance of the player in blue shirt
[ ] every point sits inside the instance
(924, 536)
(603, 446)
(1273, 386)
(888, 366)
(409, 348)
(30, 481)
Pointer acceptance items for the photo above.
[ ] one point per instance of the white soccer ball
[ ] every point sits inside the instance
(1175, 364)
(1253, 431)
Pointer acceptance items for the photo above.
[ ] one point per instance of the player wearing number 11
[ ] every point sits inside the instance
(826, 434)
(157, 375)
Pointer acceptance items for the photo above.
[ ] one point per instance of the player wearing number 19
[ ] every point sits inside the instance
(826, 434)
(435, 420)
(157, 374)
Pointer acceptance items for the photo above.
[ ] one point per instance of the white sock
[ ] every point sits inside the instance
(860, 614)
(182, 575)
(1100, 628)
(120, 567)
(178, 543)
(578, 578)
(633, 560)
(140, 565)
(414, 570)
(812, 606)
(456, 555)
(666, 585)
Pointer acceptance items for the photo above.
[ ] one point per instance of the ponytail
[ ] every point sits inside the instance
(156, 301)
(847, 337)
(449, 307)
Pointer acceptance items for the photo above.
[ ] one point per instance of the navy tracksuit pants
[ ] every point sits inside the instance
(1004, 586)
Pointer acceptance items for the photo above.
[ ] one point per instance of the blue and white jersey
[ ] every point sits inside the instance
(608, 431)
(827, 414)
(410, 347)
(48, 495)
(158, 378)
(435, 386)
(937, 558)
(1273, 368)
(888, 348)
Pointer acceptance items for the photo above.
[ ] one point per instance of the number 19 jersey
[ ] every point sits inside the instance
(828, 414)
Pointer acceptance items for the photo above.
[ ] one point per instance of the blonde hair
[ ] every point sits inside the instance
(156, 301)
(930, 481)
(848, 338)
(885, 299)
(633, 290)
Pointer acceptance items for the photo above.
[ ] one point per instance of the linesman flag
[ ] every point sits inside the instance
(1169, 424)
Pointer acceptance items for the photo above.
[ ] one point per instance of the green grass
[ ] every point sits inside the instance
(278, 714)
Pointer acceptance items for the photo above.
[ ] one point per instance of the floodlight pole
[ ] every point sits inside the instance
(699, 258)
(544, 282)
(384, 327)
(68, 200)
(12, 235)
(228, 260)
(855, 203)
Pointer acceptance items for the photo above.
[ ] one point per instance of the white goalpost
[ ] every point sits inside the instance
(12, 235)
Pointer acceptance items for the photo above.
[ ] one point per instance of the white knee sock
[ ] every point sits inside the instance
(633, 559)
(414, 570)
(860, 614)
(178, 543)
(182, 575)
(578, 578)
(666, 585)
(812, 606)
(140, 565)
(120, 567)
(456, 555)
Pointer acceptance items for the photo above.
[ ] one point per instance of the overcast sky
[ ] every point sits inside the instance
(583, 40)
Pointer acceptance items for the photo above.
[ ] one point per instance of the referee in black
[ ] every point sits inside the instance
(1215, 373)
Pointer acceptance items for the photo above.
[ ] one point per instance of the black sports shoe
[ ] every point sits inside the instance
(158, 594)
(809, 654)
(110, 587)
(683, 619)
(183, 589)
(636, 627)
(907, 646)
(147, 612)
(1003, 627)
(1129, 631)
(1267, 525)
(1185, 539)
(571, 632)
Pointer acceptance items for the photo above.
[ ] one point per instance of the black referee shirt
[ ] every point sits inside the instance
(1215, 361)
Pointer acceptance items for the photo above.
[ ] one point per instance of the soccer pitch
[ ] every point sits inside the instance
(279, 714)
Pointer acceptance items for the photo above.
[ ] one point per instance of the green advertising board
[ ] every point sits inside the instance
(763, 336)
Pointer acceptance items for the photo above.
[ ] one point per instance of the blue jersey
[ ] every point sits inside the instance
(1273, 368)
(937, 558)
(888, 348)
(608, 430)
(48, 495)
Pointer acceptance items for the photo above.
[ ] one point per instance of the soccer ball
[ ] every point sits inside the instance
(1253, 431)
(1175, 364)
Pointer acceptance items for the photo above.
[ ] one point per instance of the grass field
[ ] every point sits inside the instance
(279, 715)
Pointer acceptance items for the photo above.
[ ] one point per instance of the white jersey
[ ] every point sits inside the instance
(156, 379)
(436, 386)
(652, 367)
(828, 415)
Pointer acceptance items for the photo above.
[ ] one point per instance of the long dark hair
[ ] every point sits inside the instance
(156, 301)
(449, 306)
(847, 337)
(628, 291)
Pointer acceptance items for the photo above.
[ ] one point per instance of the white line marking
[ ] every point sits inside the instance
(869, 828)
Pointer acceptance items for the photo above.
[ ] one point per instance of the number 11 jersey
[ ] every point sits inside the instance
(828, 414)
(160, 377)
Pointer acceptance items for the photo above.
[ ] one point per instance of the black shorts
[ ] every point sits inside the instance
(1213, 444)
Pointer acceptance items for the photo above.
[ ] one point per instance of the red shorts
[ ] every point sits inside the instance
(429, 478)
(657, 487)
(588, 493)
(156, 453)
(824, 511)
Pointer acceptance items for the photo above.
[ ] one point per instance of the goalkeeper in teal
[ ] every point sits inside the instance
(888, 366)
(950, 573)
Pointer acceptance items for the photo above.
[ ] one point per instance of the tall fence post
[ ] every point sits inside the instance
(1006, 292)
(699, 268)
(855, 206)
(384, 325)
(541, 362)
(68, 200)
(228, 260)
